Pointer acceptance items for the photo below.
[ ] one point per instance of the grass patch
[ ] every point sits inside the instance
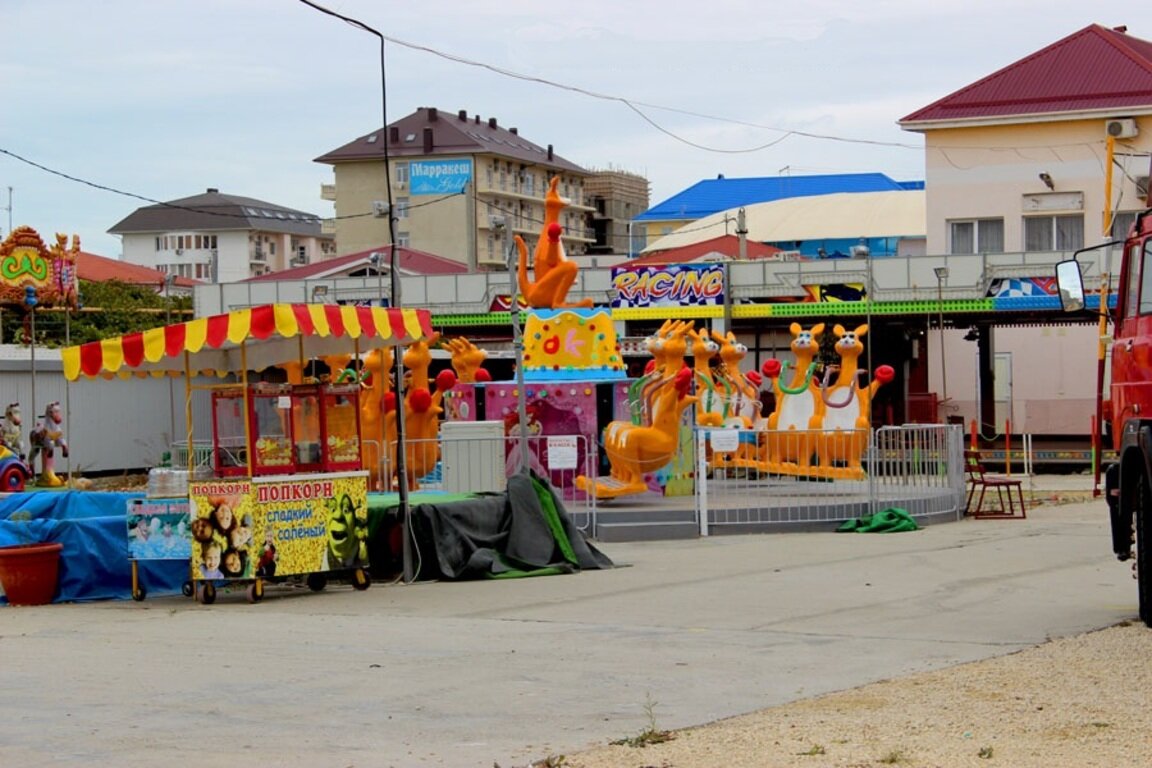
(651, 734)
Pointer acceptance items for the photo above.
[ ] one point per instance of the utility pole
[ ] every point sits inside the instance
(742, 234)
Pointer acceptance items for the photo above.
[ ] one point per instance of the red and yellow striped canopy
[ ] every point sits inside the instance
(269, 335)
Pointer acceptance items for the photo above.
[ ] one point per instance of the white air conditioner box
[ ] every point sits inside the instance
(1121, 128)
(472, 456)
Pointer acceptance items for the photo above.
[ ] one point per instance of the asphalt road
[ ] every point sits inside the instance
(504, 672)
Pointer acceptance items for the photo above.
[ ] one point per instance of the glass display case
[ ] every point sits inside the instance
(307, 428)
(271, 425)
(229, 448)
(340, 405)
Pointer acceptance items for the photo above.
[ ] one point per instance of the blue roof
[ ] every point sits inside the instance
(714, 195)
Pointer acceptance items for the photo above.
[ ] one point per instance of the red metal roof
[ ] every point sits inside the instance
(1094, 69)
(410, 261)
(99, 269)
(727, 246)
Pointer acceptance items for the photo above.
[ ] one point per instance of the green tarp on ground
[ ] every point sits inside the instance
(525, 531)
(891, 520)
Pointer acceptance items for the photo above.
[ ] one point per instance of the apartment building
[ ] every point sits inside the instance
(455, 185)
(617, 197)
(221, 238)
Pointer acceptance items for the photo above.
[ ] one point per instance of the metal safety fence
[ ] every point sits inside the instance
(750, 480)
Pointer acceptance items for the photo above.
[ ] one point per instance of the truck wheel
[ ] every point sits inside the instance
(1143, 511)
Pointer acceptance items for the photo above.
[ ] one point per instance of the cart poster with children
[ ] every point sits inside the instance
(279, 526)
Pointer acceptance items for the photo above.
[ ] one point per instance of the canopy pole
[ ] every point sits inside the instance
(247, 405)
(188, 408)
(359, 423)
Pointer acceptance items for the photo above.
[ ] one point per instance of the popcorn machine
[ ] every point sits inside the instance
(291, 429)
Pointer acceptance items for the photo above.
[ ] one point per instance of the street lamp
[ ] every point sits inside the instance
(941, 276)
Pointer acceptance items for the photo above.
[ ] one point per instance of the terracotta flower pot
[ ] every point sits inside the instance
(28, 572)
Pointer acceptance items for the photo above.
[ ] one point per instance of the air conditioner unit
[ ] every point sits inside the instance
(299, 261)
(179, 251)
(401, 184)
(1142, 186)
(1121, 128)
(495, 221)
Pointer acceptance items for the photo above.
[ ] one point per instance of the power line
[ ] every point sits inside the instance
(205, 211)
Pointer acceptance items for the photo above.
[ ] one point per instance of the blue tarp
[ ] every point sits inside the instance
(93, 528)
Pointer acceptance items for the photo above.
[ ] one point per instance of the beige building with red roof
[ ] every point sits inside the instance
(1020, 160)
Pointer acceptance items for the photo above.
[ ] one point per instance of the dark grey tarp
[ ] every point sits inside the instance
(525, 531)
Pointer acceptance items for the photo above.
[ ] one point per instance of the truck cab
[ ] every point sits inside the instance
(1125, 402)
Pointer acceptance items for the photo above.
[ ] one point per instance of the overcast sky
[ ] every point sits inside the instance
(165, 98)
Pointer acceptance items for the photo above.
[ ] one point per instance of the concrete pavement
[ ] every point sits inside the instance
(477, 673)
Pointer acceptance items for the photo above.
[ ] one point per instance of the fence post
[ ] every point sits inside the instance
(702, 480)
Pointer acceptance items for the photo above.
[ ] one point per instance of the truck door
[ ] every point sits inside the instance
(1132, 346)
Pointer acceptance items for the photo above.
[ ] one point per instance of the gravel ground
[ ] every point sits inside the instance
(1074, 702)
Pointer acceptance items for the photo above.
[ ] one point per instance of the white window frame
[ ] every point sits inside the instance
(981, 234)
(1059, 237)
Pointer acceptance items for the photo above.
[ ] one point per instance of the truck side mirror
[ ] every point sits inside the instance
(1071, 285)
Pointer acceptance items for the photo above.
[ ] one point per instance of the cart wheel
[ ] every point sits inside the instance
(139, 593)
(317, 581)
(12, 479)
(255, 592)
(186, 588)
(206, 593)
(361, 580)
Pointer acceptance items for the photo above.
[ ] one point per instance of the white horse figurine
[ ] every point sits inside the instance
(12, 430)
(45, 439)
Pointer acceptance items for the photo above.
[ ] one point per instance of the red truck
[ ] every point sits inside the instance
(1125, 414)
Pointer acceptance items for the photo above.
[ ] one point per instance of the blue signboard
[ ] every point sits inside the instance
(439, 177)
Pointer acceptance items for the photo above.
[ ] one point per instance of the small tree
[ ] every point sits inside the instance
(108, 309)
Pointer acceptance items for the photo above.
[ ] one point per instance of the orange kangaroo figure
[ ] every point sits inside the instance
(378, 428)
(466, 358)
(422, 409)
(634, 449)
(798, 409)
(710, 409)
(553, 272)
(667, 347)
(848, 415)
(742, 407)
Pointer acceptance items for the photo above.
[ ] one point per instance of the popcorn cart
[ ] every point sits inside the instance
(288, 496)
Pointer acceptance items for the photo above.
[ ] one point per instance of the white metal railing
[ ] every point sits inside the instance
(894, 278)
(807, 478)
